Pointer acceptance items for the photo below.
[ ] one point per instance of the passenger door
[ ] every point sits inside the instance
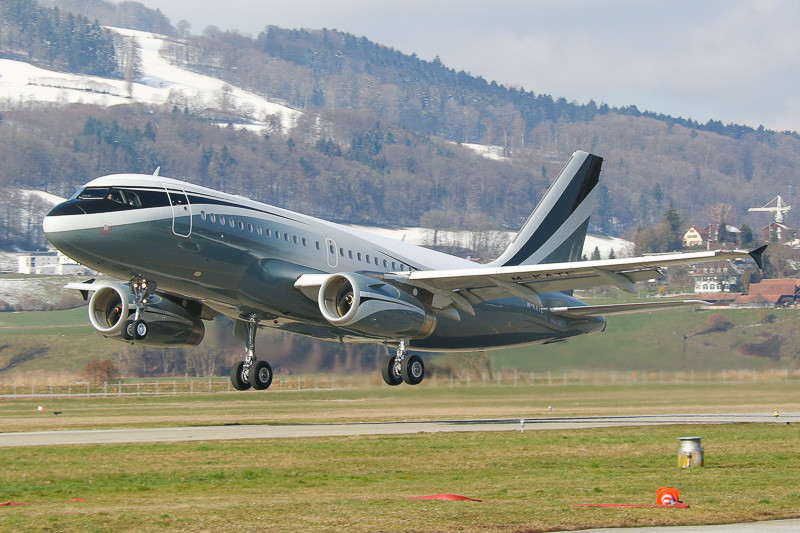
(181, 212)
(330, 250)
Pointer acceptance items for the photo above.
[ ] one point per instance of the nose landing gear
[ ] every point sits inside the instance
(135, 328)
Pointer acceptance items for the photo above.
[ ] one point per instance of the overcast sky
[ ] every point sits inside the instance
(729, 60)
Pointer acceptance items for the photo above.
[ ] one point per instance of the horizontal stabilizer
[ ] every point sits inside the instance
(584, 311)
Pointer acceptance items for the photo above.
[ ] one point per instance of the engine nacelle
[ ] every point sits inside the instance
(373, 307)
(168, 324)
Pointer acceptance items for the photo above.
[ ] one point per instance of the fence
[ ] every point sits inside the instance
(505, 378)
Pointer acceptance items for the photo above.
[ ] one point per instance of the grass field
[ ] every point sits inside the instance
(60, 343)
(530, 481)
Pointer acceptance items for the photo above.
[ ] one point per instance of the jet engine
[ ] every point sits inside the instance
(168, 324)
(373, 307)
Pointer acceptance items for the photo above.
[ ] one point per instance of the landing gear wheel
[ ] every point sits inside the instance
(260, 375)
(140, 329)
(128, 331)
(413, 370)
(388, 373)
(238, 379)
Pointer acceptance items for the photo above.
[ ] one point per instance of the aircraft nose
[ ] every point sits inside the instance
(66, 208)
(57, 222)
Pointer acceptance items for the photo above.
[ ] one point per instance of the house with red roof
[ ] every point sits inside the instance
(771, 293)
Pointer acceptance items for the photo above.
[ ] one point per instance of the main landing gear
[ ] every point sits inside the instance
(403, 367)
(136, 328)
(251, 372)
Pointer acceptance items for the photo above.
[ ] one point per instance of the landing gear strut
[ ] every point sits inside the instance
(403, 367)
(136, 327)
(251, 372)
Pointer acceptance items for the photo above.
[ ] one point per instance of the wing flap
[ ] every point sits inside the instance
(585, 311)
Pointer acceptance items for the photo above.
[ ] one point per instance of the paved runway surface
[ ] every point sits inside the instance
(770, 526)
(115, 436)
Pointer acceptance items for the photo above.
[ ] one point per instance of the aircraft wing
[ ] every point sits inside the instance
(464, 287)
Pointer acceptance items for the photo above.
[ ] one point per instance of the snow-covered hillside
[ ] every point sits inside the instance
(161, 82)
(495, 241)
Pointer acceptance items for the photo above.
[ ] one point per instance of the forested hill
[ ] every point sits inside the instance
(380, 137)
(330, 54)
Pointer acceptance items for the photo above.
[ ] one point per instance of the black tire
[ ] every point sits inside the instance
(128, 331)
(413, 370)
(238, 379)
(260, 375)
(140, 329)
(387, 371)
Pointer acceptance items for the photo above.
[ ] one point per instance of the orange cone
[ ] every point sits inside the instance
(667, 497)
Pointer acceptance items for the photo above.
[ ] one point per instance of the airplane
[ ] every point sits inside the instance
(191, 253)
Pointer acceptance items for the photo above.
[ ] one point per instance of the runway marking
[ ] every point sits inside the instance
(201, 433)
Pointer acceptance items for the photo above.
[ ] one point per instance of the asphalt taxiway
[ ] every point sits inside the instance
(236, 432)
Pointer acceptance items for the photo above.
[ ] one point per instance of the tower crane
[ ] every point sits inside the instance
(779, 208)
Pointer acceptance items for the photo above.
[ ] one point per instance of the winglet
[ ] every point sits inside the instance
(756, 255)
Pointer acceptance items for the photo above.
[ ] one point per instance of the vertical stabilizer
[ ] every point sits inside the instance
(556, 229)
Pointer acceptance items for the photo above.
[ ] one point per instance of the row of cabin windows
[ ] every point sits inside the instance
(230, 221)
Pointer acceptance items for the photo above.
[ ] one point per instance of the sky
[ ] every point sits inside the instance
(737, 61)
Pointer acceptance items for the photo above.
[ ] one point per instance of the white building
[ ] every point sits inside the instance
(52, 263)
(717, 276)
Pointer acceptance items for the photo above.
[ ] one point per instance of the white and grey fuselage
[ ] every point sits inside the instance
(243, 258)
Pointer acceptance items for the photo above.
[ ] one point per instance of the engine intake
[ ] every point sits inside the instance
(373, 307)
(168, 324)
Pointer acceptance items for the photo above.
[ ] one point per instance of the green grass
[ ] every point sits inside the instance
(41, 319)
(530, 482)
(654, 342)
(403, 403)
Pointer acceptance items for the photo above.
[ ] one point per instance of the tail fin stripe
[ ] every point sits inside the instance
(567, 203)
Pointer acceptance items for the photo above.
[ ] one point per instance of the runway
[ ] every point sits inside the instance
(236, 432)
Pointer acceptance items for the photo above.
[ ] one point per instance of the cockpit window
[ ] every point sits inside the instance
(93, 193)
(133, 199)
(126, 197)
(115, 195)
